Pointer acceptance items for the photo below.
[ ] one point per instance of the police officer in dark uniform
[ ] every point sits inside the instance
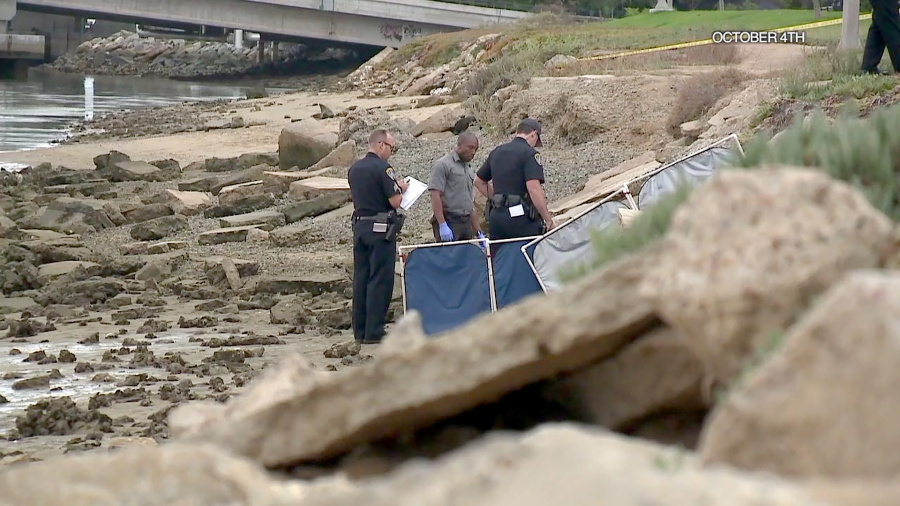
(883, 33)
(517, 201)
(376, 192)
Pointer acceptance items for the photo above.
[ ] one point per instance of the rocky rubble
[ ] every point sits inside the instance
(133, 54)
(414, 77)
(552, 386)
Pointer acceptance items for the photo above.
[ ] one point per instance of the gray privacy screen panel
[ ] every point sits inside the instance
(569, 246)
(691, 170)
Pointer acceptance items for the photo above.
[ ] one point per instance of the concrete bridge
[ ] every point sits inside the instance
(371, 22)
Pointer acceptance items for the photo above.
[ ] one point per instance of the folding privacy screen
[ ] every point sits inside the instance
(568, 247)
(450, 283)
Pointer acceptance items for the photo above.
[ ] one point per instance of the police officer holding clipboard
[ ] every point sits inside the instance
(376, 192)
(517, 200)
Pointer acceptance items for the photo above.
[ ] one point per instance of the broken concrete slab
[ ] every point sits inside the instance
(314, 284)
(279, 182)
(316, 206)
(245, 268)
(232, 194)
(305, 189)
(245, 176)
(16, 304)
(159, 228)
(188, 203)
(135, 248)
(200, 184)
(148, 212)
(231, 274)
(87, 188)
(222, 235)
(69, 215)
(48, 272)
(134, 171)
(290, 237)
(165, 247)
(265, 220)
(538, 338)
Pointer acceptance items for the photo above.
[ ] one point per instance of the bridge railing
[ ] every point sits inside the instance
(522, 7)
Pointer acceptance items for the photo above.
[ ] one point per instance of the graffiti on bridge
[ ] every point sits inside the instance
(400, 32)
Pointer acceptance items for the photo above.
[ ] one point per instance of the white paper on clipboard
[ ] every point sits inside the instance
(412, 194)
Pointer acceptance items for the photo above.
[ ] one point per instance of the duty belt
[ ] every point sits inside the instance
(507, 200)
(382, 217)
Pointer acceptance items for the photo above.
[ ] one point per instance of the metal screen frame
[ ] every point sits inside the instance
(403, 251)
(626, 192)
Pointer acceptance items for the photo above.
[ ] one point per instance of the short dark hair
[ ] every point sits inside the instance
(463, 137)
(527, 126)
(377, 136)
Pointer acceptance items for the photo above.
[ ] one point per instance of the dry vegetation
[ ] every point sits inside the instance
(699, 93)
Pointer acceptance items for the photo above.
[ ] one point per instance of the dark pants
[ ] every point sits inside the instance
(504, 226)
(883, 33)
(373, 281)
(460, 225)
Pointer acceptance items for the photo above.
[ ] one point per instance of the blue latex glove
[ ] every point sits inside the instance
(483, 242)
(446, 233)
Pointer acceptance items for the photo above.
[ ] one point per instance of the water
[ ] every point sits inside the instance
(36, 112)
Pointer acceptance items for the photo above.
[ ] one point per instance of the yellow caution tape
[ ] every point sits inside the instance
(681, 45)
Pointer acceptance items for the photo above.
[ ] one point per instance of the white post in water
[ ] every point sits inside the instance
(850, 26)
(88, 98)
(239, 39)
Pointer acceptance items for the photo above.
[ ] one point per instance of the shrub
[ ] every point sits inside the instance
(858, 151)
(699, 93)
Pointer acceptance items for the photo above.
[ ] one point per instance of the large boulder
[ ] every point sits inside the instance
(560, 464)
(146, 475)
(750, 250)
(304, 143)
(655, 375)
(825, 404)
(538, 338)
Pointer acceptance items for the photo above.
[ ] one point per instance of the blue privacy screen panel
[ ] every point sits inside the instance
(447, 285)
(513, 278)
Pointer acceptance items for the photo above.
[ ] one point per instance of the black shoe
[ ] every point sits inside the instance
(875, 72)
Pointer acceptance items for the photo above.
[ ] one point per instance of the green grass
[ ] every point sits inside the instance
(830, 72)
(638, 31)
(859, 151)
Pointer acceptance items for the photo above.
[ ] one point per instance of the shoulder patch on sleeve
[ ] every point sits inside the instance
(390, 172)
(538, 159)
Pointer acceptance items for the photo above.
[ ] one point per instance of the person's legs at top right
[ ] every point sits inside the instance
(886, 17)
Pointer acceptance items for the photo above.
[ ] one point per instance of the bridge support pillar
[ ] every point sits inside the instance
(261, 51)
(276, 48)
(239, 39)
(7, 12)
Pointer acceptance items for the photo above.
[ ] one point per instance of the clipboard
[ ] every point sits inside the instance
(412, 194)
